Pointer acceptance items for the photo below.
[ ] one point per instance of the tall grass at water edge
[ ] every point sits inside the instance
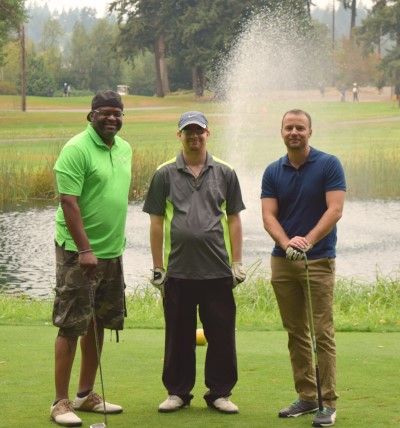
(365, 137)
(358, 307)
(371, 173)
(22, 183)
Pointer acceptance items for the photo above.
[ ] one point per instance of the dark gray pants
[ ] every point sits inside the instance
(217, 311)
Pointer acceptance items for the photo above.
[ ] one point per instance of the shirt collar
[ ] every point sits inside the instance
(97, 139)
(181, 164)
(312, 155)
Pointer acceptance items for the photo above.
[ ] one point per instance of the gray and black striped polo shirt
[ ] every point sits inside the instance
(195, 210)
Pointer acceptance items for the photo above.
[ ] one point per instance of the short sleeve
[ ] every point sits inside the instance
(70, 170)
(234, 201)
(157, 194)
(268, 188)
(334, 173)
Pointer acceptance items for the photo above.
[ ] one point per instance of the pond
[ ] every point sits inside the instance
(368, 236)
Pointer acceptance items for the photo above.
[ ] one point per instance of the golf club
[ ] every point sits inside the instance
(96, 339)
(310, 315)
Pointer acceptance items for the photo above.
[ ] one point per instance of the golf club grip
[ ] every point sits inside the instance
(319, 394)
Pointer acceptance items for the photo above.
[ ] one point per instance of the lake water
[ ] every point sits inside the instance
(368, 237)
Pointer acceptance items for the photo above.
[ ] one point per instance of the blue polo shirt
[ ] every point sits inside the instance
(301, 196)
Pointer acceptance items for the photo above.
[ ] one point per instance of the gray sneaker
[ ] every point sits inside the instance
(325, 417)
(298, 408)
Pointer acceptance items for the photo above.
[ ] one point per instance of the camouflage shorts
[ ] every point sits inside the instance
(72, 311)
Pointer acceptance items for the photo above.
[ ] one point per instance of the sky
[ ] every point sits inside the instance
(101, 5)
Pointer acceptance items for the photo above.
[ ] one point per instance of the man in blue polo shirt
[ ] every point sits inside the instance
(194, 202)
(302, 200)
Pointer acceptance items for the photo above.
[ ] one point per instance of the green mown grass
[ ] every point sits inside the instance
(367, 381)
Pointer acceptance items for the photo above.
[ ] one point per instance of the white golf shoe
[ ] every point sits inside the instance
(171, 404)
(224, 405)
(62, 413)
(94, 403)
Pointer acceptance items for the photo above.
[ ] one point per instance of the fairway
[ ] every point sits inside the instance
(363, 135)
(368, 369)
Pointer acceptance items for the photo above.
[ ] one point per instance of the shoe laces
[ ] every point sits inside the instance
(65, 406)
(94, 398)
(326, 411)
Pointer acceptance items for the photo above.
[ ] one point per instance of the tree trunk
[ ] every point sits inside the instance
(353, 16)
(198, 80)
(309, 8)
(23, 67)
(163, 64)
(159, 83)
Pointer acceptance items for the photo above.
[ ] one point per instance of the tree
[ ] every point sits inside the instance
(12, 15)
(106, 67)
(40, 82)
(351, 4)
(143, 26)
(80, 58)
(384, 21)
(352, 65)
(194, 33)
(49, 47)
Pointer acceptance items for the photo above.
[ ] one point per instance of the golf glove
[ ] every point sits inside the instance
(158, 278)
(238, 273)
(296, 254)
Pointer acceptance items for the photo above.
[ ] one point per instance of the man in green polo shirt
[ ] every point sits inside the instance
(194, 202)
(93, 175)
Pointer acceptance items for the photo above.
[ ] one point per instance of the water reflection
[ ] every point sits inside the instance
(368, 236)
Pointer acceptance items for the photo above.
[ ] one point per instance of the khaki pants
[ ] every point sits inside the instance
(289, 282)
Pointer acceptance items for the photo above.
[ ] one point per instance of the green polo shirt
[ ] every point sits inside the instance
(196, 236)
(100, 177)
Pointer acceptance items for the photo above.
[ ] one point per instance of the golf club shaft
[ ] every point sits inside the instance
(96, 339)
(310, 314)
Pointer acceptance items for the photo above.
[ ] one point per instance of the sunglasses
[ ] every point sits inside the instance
(197, 131)
(106, 113)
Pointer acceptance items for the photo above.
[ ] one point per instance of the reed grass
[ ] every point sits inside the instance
(364, 136)
(358, 307)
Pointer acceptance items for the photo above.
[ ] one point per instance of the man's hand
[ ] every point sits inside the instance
(297, 254)
(158, 279)
(88, 263)
(238, 273)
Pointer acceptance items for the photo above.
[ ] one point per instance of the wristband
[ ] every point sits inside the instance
(89, 250)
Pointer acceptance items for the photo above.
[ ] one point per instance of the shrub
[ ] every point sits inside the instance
(7, 88)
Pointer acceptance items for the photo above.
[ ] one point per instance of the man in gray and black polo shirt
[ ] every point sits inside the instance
(194, 202)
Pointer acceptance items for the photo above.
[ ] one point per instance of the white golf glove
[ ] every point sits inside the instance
(296, 254)
(238, 273)
(158, 279)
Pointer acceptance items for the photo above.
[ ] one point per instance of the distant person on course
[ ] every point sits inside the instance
(302, 200)
(397, 93)
(93, 175)
(355, 92)
(194, 202)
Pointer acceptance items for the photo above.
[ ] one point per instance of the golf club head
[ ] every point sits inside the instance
(99, 425)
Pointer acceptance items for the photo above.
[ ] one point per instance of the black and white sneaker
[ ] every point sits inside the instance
(325, 417)
(298, 408)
